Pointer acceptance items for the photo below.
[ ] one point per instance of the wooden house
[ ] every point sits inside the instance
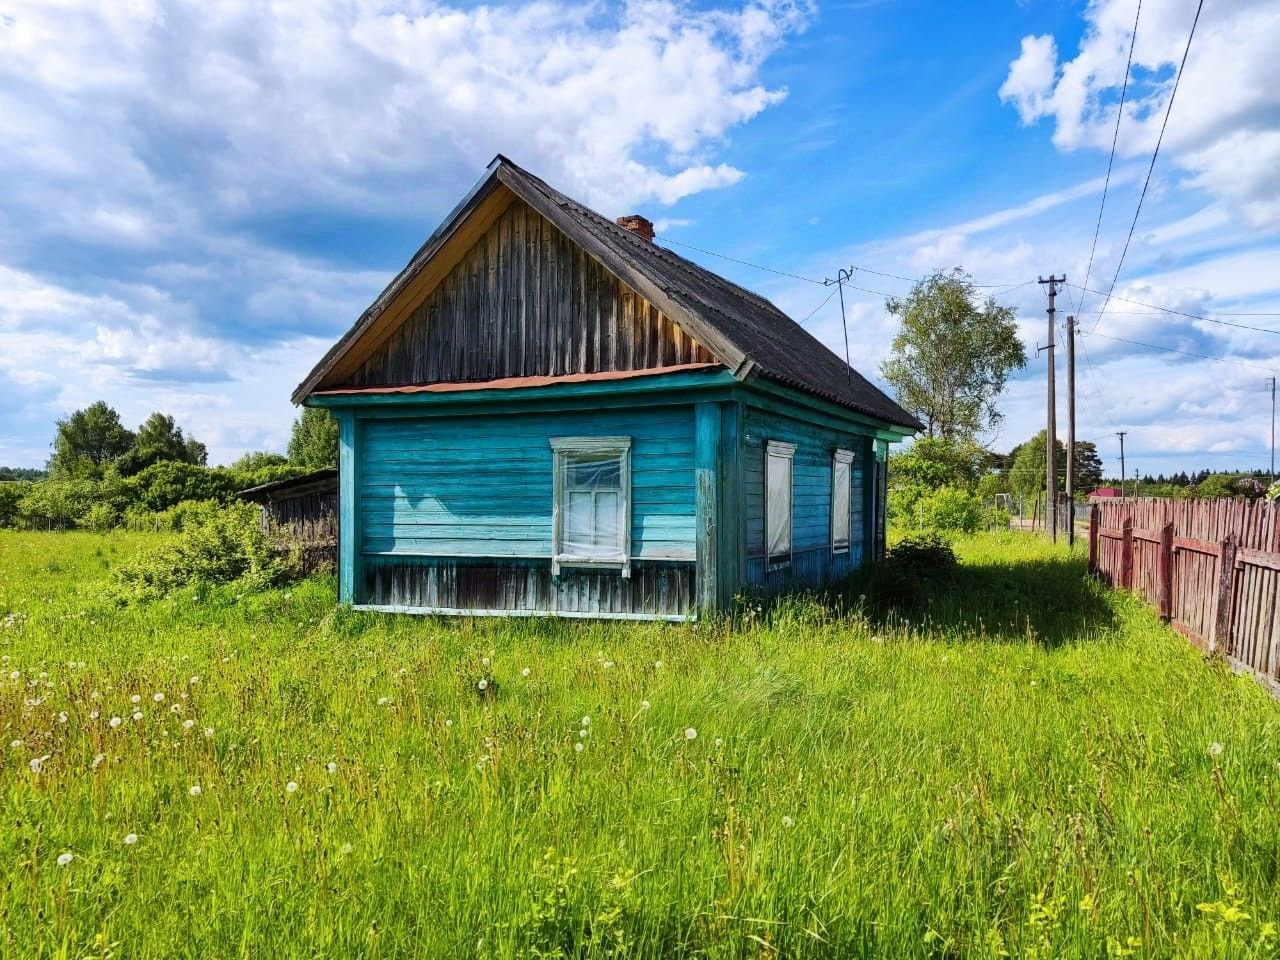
(546, 413)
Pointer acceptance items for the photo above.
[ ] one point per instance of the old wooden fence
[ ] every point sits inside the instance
(1211, 567)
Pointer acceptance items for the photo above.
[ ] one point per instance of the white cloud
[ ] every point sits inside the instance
(266, 105)
(1029, 85)
(1224, 128)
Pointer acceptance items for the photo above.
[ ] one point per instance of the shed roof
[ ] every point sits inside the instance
(318, 481)
(741, 329)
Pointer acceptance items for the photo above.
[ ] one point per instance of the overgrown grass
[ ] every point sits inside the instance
(1030, 766)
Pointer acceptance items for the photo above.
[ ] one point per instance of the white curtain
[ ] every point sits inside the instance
(593, 503)
(840, 494)
(778, 506)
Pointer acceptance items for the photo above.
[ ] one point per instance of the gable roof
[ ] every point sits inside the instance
(741, 329)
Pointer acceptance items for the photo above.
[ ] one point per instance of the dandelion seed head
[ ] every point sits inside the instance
(94, 714)
(483, 684)
(645, 704)
(525, 672)
(788, 822)
(577, 747)
(158, 697)
(657, 664)
(383, 701)
(586, 721)
(195, 790)
(65, 858)
(130, 839)
(188, 724)
(16, 745)
(208, 731)
(1215, 749)
(331, 767)
(114, 722)
(448, 723)
(690, 733)
(16, 675)
(484, 661)
(137, 715)
(136, 698)
(291, 787)
(582, 733)
(345, 849)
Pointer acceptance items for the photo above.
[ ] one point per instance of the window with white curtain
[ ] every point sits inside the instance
(779, 457)
(841, 499)
(591, 514)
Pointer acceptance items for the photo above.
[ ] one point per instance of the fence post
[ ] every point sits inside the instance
(1126, 553)
(1226, 593)
(1164, 573)
(1093, 540)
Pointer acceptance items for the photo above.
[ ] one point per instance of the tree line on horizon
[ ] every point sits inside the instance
(101, 474)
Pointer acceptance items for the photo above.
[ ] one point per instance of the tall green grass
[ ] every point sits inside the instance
(1031, 766)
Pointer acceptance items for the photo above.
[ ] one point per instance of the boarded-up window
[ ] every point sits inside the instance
(841, 498)
(777, 486)
(591, 518)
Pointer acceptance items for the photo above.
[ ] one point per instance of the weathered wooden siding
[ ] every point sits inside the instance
(812, 561)
(478, 486)
(527, 301)
(477, 586)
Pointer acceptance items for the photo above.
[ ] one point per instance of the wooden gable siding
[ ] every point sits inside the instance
(526, 301)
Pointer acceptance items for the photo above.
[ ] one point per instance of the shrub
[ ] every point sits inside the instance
(901, 581)
(950, 508)
(218, 546)
(100, 518)
(173, 520)
(11, 494)
(927, 557)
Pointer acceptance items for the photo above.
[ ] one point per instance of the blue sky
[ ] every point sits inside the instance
(199, 198)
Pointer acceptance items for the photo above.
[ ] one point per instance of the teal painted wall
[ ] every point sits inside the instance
(813, 563)
(480, 486)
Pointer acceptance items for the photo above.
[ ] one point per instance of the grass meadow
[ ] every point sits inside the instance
(1035, 768)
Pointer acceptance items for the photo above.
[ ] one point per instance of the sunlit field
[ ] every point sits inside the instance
(1035, 767)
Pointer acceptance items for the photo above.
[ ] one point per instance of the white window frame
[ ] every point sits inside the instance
(781, 450)
(842, 459)
(563, 450)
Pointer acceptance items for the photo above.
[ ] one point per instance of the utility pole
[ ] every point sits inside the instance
(1071, 431)
(1051, 431)
(1272, 381)
(1121, 434)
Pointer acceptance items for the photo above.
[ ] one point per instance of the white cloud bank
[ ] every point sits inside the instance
(1223, 128)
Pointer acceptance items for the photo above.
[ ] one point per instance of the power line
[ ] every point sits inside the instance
(853, 267)
(745, 263)
(1186, 353)
(1115, 138)
(1154, 154)
(1183, 313)
(813, 312)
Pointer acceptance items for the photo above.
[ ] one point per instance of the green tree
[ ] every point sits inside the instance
(314, 443)
(1088, 466)
(1026, 473)
(158, 439)
(88, 440)
(952, 356)
(256, 460)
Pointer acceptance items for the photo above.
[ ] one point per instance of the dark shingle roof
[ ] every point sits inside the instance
(779, 348)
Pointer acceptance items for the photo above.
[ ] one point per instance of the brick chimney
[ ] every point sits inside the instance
(638, 225)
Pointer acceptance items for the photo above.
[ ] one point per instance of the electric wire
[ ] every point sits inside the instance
(1154, 154)
(1115, 138)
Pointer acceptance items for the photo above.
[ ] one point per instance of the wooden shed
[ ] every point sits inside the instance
(302, 511)
(546, 413)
